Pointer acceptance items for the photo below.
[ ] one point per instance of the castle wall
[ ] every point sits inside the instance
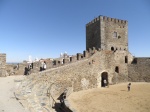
(12, 69)
(83, 74)
(121, 66)
(21, 68)
(86, 73)
(36, 66)
(139, 70)
(3, 65)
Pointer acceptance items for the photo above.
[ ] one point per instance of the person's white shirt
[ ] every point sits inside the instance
(44, 66)
(105, 81)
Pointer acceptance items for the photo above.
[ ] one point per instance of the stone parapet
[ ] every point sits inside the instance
(105, 18)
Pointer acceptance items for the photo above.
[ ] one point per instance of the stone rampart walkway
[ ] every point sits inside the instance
(8, 102)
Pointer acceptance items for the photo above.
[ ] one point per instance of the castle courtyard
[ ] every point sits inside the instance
(116, 98)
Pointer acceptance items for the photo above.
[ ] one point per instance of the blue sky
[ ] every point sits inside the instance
(45, 28)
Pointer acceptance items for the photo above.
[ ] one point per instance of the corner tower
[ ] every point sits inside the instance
(107, 33)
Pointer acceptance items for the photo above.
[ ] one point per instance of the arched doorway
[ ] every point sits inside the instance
(104, 76)
(112, 48)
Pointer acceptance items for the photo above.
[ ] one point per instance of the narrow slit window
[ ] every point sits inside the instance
(126, 59)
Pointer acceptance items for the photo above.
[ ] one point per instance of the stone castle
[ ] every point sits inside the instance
(106, 58)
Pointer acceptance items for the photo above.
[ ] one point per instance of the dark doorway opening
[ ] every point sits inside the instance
(117, 69)
(70, 59)
(126, 59)
(104, 76)
(112, 48)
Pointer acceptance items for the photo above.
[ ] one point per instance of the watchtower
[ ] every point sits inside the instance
(107, 33)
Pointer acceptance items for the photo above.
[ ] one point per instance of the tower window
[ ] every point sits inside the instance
(115, 34)
(119, 37)
(117, 69)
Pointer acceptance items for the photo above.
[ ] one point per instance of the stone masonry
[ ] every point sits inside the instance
(3, 65)
(80, 72)
(106, 58)
(80, 75)
(139, 70)
(107, 33)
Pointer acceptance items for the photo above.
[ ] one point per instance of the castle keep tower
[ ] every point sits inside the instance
(107, 33)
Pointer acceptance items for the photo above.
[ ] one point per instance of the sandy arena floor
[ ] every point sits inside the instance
(116, 98)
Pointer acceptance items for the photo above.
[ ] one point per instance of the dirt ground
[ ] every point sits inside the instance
(116, 98)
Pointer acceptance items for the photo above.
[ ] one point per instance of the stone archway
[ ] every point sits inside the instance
(112, 49)
(104, 76)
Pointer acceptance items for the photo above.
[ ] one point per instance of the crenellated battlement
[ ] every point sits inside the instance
(105, 18)
(2, 54)
(36, 66)
(94, 21)
(79, 56)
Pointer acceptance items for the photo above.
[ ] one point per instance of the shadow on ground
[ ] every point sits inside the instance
(59, 108)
